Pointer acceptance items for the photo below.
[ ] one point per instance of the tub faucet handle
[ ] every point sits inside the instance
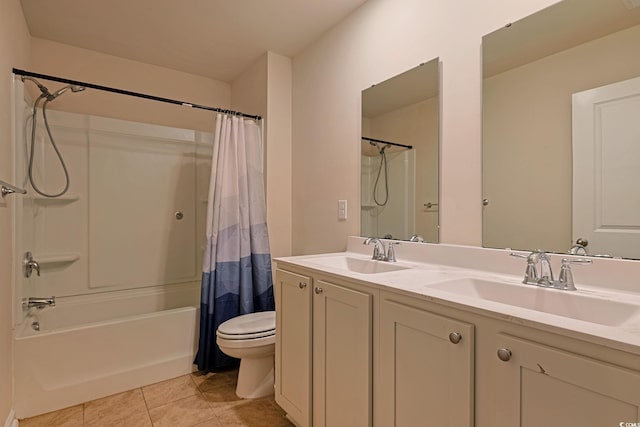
(30, 264)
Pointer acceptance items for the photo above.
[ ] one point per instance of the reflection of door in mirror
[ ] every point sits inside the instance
(531, 69)
(606, 149)
(399, 156)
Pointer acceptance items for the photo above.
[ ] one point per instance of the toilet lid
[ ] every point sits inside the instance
(252, 325)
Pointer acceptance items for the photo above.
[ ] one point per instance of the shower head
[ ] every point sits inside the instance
(51, 96)
(74, 88)
(42, 88)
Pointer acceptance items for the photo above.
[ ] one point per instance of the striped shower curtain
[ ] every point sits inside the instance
(236, 276)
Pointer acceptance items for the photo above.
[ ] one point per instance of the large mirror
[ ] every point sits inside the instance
(561, 130)
(399, 156)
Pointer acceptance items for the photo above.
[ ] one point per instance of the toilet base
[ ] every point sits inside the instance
(255, 377)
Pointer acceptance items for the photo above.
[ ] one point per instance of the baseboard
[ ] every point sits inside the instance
(11, 420)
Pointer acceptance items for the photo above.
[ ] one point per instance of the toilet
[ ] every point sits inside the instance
(252, 339)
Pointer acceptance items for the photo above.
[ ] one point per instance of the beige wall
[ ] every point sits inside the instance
(379, 40)
(278, 154)
(73, 63)
(527, 130)
(265, 89)
(14, 52)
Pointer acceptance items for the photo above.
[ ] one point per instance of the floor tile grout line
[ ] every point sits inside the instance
(144, 397)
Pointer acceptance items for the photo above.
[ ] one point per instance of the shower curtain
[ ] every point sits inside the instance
(236, 275)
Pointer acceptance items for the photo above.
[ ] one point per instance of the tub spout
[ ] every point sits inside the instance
(38, 302)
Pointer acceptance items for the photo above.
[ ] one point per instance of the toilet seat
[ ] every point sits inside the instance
(248, 326)
(246, 344)
(245, 336)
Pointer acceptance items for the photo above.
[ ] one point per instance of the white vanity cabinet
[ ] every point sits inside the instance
(324, 350)
(539, 385)
(354, 353)
(426, 368)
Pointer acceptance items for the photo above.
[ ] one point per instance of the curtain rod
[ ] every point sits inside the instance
(387, 142)
(130, 93)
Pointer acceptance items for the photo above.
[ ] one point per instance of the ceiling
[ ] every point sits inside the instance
(213, 38)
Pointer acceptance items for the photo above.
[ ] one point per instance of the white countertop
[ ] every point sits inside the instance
(416, 280)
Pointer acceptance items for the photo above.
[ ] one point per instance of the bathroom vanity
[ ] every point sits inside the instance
(457, 341)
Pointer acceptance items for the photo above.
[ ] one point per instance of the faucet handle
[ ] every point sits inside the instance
(565, 280)
(530, 273)
(391, 253)
(517, 255)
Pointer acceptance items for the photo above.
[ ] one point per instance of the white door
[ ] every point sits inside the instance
(293, 345)
(426, 368)
(606, 168)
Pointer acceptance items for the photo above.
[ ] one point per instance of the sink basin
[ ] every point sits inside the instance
(562, 303)
(357, 265)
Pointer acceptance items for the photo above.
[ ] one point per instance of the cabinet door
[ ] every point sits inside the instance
(293, 345)
(426, 368)
(539, 385)
(342, 356)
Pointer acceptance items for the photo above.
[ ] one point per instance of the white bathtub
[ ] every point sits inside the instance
(82, 352)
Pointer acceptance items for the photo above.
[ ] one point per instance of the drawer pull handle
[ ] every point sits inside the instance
(504, 354)
(318, 291)
(302, 285)
(455, 337)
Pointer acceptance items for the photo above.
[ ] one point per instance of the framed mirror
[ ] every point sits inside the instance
(399, 156)
(561, 132)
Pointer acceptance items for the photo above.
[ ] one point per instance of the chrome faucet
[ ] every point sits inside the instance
(380, 253)
(378, 248)
(38, 302)
(545, 278)
(539, 272)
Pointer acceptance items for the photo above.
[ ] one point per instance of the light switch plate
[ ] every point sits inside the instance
(342, 209)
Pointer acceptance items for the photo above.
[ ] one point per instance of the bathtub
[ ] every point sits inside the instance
(94, 346)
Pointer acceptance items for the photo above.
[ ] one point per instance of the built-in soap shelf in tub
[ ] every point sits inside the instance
(65, 198)
(368, 207)
(57, 258)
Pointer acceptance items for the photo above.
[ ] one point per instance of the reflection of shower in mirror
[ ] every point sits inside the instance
(387, 177)
(383, 164)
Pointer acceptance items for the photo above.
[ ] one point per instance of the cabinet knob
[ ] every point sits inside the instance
(302, 285)
(455, 337)
(318, 291)
(504, 354)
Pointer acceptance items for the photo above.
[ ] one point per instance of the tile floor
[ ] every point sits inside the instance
(196, 400)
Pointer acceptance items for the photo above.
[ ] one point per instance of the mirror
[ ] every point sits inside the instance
(399, 156)
(561, 139)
